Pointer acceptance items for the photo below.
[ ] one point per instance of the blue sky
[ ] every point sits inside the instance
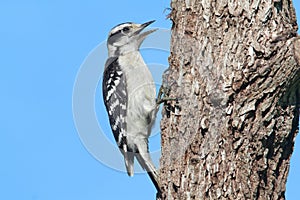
(43, 46)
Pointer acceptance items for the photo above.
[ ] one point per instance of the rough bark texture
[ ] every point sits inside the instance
(234, 64)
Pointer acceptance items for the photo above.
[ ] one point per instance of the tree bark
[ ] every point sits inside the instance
(234, 66)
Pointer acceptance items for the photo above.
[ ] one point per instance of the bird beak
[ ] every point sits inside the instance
(147, 23)
(141, 27)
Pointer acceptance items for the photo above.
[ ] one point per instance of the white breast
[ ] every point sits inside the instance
(141, 93)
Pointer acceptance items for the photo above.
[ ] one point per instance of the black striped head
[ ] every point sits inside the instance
(127, 37)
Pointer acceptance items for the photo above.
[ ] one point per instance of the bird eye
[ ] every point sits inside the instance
(126, 28)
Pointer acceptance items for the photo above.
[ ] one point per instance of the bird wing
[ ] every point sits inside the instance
(115, 100)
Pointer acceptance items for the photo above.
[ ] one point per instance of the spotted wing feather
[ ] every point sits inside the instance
(115, 100)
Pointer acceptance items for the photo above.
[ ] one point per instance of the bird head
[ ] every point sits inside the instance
(127, 37)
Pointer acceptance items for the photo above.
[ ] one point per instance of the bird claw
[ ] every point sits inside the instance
(164, 98)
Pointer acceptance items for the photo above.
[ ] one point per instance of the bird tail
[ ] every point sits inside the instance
(145, 161)
(129, 162)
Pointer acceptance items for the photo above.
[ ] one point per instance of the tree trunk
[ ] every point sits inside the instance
(234, 66)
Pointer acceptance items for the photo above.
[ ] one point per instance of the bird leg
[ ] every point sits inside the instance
(162, 96)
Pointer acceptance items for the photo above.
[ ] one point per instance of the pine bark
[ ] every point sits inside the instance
(234, 66)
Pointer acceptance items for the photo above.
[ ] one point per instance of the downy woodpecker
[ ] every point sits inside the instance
(130, 96)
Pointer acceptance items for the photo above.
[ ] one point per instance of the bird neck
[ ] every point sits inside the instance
(115, 51)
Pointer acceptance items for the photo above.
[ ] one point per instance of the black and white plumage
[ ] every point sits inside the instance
(115, 94)
(129, 95)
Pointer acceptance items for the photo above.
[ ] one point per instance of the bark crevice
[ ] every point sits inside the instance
(235, 67)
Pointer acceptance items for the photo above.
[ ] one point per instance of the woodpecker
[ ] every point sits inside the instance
(130, 95)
